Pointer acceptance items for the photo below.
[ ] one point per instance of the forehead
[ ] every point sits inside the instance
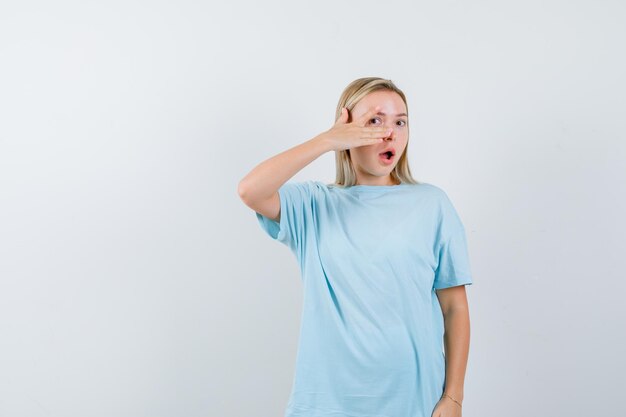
(389, 102)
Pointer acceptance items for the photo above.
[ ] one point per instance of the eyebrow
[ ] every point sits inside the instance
(397, 115)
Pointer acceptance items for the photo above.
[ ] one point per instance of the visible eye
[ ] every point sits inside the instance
(375, 118)
(401, 123)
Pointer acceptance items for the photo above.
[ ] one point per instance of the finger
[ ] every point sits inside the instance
(368, 114)
(376, 132)
(370, 141)
(344, 115)
(367, 142)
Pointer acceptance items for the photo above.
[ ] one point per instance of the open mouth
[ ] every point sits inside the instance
(387, 157)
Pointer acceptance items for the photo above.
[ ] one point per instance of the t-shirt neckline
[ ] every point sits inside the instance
(375, 188)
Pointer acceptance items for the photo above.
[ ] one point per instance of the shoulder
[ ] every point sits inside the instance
(306, 190)
(434, 192)
(432, 189)
(441, 201)
(307, 185)
(319, 187)
(449, 218)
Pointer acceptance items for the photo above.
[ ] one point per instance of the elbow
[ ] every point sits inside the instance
(242, 190)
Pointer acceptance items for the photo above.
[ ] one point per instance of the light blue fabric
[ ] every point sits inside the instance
(371, 257)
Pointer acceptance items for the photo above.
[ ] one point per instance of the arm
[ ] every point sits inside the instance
(259, 189)
(455, 310)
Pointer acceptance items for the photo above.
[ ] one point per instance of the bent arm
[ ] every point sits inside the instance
(259, 188)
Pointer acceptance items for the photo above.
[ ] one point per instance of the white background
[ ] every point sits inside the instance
(134, 281)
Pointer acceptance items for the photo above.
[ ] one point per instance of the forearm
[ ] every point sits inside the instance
(267, 177)
(456, 344)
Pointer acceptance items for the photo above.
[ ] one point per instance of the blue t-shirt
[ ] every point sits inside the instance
(371, 257)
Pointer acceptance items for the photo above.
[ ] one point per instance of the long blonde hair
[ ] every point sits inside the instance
(353, 93)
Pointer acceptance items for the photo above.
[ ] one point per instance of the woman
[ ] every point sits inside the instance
(384, 266)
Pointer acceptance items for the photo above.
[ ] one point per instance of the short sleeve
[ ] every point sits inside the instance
(295, 215)
(453, 266)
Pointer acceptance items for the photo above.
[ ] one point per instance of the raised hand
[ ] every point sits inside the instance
(345, 135)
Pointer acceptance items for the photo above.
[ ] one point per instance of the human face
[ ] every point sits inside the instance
(370, 167)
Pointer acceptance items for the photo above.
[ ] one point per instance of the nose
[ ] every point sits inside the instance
(391, 135)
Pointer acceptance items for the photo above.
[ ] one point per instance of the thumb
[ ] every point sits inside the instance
(344, 116)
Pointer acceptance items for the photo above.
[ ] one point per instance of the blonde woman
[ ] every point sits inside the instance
(385, 323)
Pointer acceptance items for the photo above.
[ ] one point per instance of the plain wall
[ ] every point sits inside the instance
(134, 281)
